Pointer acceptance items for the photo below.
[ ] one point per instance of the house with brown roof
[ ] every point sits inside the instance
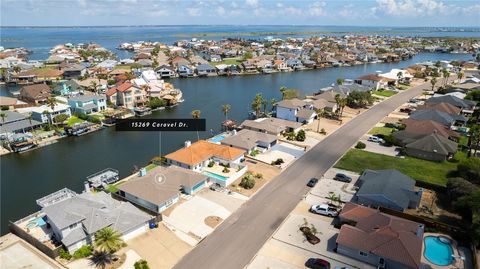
(443, 107)
(380, 239)
(127, 95)
(36, 93)
(158, 189)
(374, 81)
(426, 127)
(198, 155)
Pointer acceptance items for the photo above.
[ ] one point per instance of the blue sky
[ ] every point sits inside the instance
(260, 12)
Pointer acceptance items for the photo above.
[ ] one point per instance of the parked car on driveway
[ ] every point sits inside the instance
(315, 263)
(375, 139)
(342, 177)
(312, 182)
(324, 209)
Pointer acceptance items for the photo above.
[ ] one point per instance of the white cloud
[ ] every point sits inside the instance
(316, 9)
(194, 12)
(220, 11)
(252, 3)
(414, 8)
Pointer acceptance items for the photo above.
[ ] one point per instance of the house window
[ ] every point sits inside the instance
(364, 254)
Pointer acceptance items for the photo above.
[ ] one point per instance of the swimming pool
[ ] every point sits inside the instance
(35, 223)
(217, 139)
(438, 250)
(216, 176)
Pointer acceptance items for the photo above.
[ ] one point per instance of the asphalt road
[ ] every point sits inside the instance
(236, 241)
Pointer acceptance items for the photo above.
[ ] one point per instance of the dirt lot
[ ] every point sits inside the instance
(268, 172)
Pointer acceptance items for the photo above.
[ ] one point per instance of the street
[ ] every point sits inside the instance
(237, 240)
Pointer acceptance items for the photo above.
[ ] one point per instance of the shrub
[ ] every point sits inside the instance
(360, 145)
(390, 140)
(141, 264)
(469, 169)
(322, 131)
(225, 170)
(93, 119)
(248, 182)
(64, 254)
(278, 161)
(254, 152)
(83, 252)
(300, 135)
(211, 164)
(156, 102)
(290, 136)
(60, 118)
(3, 108)
(458, 187)
(258, 176)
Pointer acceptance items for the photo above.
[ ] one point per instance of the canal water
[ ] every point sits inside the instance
(29, 176)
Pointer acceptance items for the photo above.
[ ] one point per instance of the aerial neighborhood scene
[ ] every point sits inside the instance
(240, 134)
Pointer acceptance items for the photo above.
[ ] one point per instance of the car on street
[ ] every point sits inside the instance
(375, 139)
(315, 263)
(324, 209)
(342, 177)
(312, 182)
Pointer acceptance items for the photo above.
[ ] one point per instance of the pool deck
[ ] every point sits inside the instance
(456, 264)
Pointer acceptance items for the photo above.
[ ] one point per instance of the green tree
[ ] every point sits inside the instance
(473, 139)
(320, 113)
(101, 259)
(60, 118)
(247, 55)
(340, 81)
(272, 104)
(248, 181)
(141, 264)
(4, 116)
(257, 104)
(433, 81)
(108, 240)
(226, 109)
(300, 136)
(196, 115)
(93, 86)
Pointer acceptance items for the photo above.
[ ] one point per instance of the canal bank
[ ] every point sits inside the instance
(26, 177)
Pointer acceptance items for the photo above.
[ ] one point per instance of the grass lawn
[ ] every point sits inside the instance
(381, 130)
(236, 60)
(385, 93)
(74, 119)
(112, 188)
(463, 141)
(150, 166)
(432, 172)
(122, 66)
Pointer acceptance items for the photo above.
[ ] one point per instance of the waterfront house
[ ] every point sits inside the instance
(126, 95)
(67, 88)
(295, 110)
(273, 126)
(294, 63)
(379, 239)
(346, 88)
(16, 122)
(73, 219)
(446, 119)
(467, 106)
(88, 103)
(249, 140)
(179, 61)
(185, 71)
(432, 147)
(46, 114)
(249, 67)
(36, 93)
(204, 70)
(107, 64)
(387, 188)
(74, 71)
(197, 155)
(280, 65)
(159, 188)
(327, 99)
(165, 71)
(374, 81)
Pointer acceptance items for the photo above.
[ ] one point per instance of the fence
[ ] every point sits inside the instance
(52, 253)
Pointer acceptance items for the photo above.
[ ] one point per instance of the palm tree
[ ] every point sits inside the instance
(130, 75)
(196, 115)
(460, 75)
(101, 259)
(446, 75)
(399, 75)
(264, 104)
(342, 104)
(257, 104)
(320, 113)
(338, 99)
(3, 115)
(283, 89)
(51, 102)
(433, 81)
(340, 81)
(108, 240)
(146, 88)
(226, 109)
(93, 86)
(272, 103)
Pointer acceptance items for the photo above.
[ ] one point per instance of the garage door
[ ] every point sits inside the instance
(135, 232)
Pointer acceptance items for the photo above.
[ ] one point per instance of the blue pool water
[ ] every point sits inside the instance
(219, 177)
(217, 139)
(438, 252)
(36, 222)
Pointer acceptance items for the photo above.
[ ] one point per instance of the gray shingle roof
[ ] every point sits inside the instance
(74, 236)
(435, 115)
(87, 97)
(434, 143)
(305, 113)
(392, 184)
(15, 121)
(248, 139)
(291, 103)
(453, 100)
(95, 211)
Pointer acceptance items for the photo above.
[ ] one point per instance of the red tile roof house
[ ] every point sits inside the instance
(126, 95)
(377, 238)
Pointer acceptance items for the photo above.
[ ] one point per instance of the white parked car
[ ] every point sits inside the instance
(324, 209)
(375, 139)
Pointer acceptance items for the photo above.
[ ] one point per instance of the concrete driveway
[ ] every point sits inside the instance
(286, 151)
(326, 185)
(189, 217)
(380, 149)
